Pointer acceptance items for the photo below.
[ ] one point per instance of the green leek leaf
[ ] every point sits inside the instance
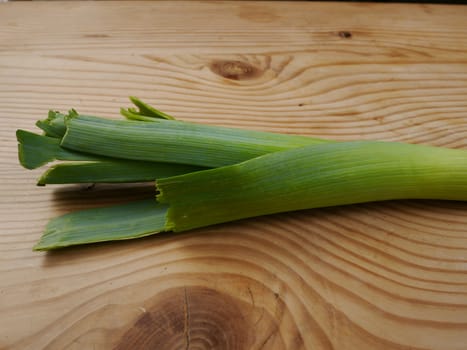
(174, 141)
(126, 221)
(36, 150)
(112, 171)
(144, 112)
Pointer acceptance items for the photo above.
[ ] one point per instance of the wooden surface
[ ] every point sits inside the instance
(376, 276)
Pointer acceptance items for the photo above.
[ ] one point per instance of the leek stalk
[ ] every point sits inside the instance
(312, 177)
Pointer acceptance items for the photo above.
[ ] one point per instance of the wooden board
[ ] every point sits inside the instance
(375, 276)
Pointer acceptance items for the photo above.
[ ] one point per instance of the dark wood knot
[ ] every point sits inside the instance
(344, 34)
(197, 317)
(235, 70)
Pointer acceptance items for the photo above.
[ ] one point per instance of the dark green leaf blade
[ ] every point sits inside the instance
(36, 150)
(144, 110)
(126, 221)
(175, 141)
(54, 125)
(112, 171)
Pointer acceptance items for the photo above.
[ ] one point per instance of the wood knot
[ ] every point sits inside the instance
(344, 34)
(235, 70)
(196, 317)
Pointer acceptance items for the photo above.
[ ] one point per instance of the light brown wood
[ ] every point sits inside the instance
(375, 276)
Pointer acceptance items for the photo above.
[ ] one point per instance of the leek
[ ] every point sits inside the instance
(206, 175)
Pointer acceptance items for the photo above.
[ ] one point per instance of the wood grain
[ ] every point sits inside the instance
(376, 276)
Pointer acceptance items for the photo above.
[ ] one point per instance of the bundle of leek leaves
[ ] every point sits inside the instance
(206, 175)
